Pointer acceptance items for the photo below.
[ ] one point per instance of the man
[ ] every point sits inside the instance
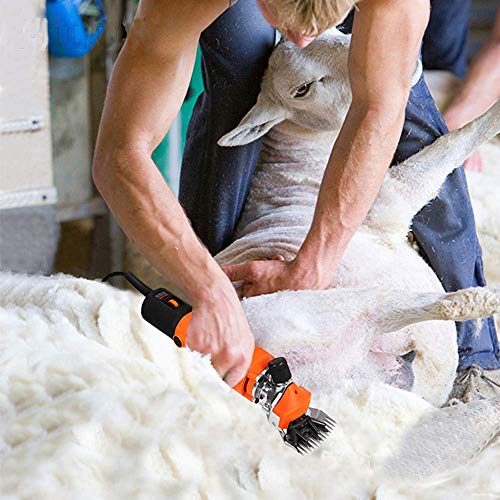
(147, 88)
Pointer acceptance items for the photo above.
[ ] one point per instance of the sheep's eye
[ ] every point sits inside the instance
(302, 90)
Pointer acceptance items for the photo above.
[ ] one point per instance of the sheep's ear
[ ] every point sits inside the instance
(257, 122)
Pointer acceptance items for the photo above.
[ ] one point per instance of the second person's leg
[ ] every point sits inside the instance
(445, 229)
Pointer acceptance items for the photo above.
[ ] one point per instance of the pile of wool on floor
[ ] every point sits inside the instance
(95, 403)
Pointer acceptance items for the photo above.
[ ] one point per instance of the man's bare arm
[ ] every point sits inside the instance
(384, 49)
(147, 88)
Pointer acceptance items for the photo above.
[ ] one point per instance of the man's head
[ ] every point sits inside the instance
(301, 21)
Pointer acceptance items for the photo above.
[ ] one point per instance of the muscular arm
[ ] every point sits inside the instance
(384, 48)
(148, 85)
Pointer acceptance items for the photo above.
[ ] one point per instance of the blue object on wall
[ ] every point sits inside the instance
(75, 26)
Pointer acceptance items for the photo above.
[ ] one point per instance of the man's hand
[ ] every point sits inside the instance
(268, 276)
(219, 327)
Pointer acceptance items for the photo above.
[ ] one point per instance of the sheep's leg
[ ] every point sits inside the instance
(326, 311)
(413, 183)
(464, 305)
(436, 358)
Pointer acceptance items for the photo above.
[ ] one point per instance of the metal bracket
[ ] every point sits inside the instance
(28, 198)
(22, 126)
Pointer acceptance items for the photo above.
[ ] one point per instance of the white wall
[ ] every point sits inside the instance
(25, 156)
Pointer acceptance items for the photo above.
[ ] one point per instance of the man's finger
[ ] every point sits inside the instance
(249, 272)
(246, 290)
(237, 272)
(239, 290)
(230, 373)
(232, 377)
(252, 290)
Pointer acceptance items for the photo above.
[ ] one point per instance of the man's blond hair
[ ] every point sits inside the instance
(310, 17)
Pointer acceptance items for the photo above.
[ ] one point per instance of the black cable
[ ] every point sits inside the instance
(132, 279)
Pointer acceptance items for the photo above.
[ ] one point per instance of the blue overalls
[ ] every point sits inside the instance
(215, 181)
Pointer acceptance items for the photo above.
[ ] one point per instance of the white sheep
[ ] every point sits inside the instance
(299, 132)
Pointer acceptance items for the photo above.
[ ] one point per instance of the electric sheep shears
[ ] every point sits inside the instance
(268, 382)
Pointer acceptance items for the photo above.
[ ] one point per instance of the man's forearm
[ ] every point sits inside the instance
(147, 87)
(355, 172)
(148, 84)
(154, 221)
(380, 83)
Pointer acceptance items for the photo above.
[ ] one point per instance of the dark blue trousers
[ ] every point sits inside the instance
(215, 181)
(446, 231)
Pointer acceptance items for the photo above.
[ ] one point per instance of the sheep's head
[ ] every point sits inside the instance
(306, 86)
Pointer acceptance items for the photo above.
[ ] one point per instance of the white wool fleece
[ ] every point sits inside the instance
(96, 403)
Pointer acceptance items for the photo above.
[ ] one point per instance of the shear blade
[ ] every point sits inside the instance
(309, 431)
